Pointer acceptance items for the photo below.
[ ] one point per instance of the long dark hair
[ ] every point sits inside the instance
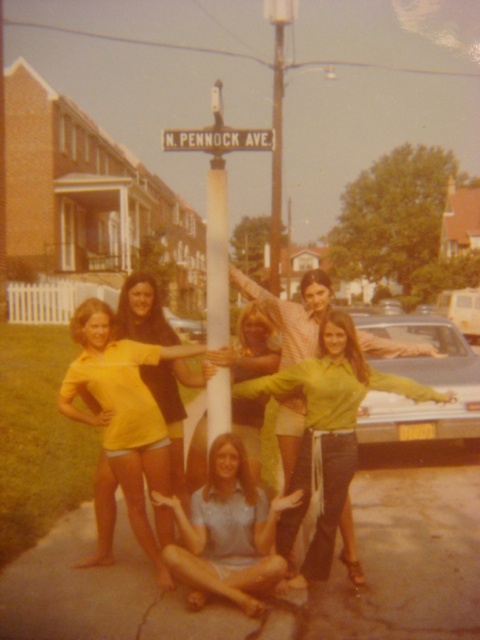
(156, 323)
(245, 477)
(353, 352)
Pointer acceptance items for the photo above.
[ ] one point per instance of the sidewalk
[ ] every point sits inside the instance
(42, 598)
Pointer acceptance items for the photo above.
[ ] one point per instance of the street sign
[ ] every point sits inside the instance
(219, 141)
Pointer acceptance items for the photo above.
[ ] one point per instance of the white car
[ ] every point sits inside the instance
(386, 417)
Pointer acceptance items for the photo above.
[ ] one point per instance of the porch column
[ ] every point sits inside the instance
(125, 259)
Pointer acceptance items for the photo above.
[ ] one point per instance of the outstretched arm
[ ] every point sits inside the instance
(408, 388)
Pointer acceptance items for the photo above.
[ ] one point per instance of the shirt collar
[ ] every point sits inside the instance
(344, 365)
(238, 489)
(85, 356)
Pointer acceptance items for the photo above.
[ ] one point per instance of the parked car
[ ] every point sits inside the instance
(386, 417)
(192, 329)
(390, 306)
(462, 307)
(425, 309)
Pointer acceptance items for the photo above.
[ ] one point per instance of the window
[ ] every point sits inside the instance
(63, 142)
(67, 230)
(73, 141)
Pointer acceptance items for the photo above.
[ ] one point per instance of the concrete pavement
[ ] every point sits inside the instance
(42, 598)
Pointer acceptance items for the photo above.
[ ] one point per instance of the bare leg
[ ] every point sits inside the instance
(177, 473)
(156, 465)
(349, 554)
(197, 573)
(129, 471)
(105, 485)
(197, 459)
(348, 532)
(289, 449)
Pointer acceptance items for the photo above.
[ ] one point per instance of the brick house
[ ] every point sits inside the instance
(79, 204)
(461, 221)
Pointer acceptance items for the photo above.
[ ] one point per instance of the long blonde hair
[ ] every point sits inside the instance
(252, 311)
(353, 352)
(245, 477)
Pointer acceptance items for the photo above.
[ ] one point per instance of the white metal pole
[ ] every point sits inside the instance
(218, 321)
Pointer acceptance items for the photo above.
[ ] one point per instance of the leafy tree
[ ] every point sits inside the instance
(248, 241)
(391, 215)
(151, 259)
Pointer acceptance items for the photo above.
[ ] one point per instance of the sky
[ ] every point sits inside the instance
(406, 71)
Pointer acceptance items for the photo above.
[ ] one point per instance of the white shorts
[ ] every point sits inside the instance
(289, 422)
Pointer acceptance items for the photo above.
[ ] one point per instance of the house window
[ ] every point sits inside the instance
(68, 236)
(87, 147)
(63, 133)
(73, 144)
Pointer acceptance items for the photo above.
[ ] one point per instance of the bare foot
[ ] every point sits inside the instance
(197, 600)
(281, 589)
(251, 606)
(95, 560)
(164, 579)
(298, 582)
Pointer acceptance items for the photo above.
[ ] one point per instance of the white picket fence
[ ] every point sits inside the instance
(53, 302)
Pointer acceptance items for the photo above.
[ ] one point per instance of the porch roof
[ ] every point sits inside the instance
(101, 193)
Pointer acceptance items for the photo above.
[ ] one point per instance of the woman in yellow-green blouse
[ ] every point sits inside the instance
(334, 386)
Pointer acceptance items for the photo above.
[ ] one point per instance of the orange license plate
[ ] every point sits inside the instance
(416, 431)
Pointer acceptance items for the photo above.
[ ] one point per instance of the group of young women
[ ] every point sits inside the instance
(231, 543)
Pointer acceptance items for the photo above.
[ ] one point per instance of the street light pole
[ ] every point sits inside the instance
(280, 13)
(276, 219)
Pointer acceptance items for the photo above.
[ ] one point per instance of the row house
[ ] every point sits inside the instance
(461, 221)
(79, 204)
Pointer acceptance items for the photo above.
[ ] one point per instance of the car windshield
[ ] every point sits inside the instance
(442, 337)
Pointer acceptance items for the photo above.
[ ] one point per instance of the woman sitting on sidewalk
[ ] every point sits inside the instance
(228, 541)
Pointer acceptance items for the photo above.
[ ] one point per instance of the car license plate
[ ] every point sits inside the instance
(416, 431)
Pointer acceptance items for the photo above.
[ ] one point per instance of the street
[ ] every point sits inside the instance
(417, 516)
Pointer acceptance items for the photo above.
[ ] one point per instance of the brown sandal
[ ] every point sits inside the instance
(355, 570)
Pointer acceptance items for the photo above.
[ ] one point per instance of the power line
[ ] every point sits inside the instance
(231, 54)
(147, 43)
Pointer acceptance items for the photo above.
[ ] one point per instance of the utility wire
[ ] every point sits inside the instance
(231, 54)
(147, 43)
(222, 26)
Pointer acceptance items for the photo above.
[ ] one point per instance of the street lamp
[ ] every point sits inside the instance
(279, 13)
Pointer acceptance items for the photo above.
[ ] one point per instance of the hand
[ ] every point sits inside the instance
(103, 418)
(208, 370)
(282, 503)
(159, 500)
(223, 357)
(450, 396)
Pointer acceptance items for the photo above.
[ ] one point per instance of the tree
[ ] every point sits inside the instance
(248, 241)
(151, 258)
(391, 216)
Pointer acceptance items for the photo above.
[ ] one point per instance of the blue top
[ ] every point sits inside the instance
(229, 524)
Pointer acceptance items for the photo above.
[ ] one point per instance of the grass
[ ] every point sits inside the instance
(48, 461)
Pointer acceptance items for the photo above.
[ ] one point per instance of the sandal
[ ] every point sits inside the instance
(355, 570)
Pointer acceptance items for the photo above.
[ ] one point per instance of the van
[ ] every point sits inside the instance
(462, 307)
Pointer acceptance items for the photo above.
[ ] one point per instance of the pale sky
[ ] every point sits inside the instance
(333, 130)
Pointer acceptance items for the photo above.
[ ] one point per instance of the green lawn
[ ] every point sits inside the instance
(48, 461)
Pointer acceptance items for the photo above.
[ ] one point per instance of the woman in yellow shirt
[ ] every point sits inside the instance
(334, 386)
(136, 439)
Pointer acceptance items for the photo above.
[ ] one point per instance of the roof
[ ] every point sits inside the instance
(462, 218)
